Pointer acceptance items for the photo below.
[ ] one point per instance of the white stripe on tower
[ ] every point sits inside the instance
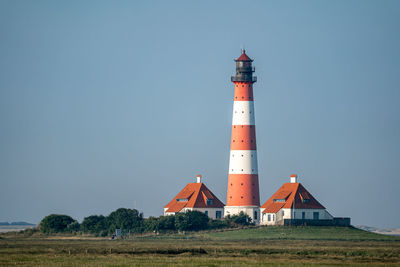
(243, 113)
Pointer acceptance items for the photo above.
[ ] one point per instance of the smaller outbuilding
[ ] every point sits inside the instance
(196, 196)
(292, 204)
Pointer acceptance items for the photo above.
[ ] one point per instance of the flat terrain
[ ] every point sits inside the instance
(292, 246)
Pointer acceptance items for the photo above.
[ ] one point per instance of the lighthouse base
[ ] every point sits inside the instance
(252, 211)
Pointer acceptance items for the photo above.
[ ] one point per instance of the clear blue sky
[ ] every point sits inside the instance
(108, 103)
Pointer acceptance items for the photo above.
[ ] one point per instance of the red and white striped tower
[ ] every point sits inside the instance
(243, 191)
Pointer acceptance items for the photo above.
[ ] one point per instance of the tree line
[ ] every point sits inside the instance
(132, 221)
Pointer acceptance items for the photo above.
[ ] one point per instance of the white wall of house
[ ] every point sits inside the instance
(265, 216)
(308, 214)
(294, 214)
(211, 212)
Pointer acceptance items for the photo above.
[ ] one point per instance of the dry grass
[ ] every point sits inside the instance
(205, 249)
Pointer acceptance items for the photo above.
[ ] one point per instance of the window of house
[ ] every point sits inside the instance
(206, 212)
(279, 200)
(218, 214)
(306, 200)
(255, 215)
(181, 199)
(316, 215)
(269, 217)
(283, 213)
(303, 215)
(209, 201)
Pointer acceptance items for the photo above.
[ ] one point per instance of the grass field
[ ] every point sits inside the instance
(294, 246)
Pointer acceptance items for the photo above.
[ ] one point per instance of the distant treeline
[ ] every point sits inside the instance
(132, 221)
(15, 223)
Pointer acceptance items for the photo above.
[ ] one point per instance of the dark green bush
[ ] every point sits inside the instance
(56, 223)
(191, 221)
(94, 224)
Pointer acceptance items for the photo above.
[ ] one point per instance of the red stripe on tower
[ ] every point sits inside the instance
(243, 189)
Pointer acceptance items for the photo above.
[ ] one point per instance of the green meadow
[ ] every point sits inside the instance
(284, 246)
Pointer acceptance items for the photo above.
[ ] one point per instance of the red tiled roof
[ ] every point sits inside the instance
(297, 193)
(282, 194)
(244, 57)
(274, 207)
(176, 206)
(196, 195)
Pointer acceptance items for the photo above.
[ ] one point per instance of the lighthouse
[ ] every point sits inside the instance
(243, 189)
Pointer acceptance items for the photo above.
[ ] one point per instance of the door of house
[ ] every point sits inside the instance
(316, 215)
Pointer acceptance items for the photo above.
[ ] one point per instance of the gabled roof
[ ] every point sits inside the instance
(291, 193)
(244, 57)
(196, 195)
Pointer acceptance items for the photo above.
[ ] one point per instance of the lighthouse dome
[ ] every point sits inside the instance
(244, 57)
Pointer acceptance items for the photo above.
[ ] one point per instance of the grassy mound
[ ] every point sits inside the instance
(301, 233)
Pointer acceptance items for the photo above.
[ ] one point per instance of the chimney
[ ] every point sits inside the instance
(293, 178)
(198, 178)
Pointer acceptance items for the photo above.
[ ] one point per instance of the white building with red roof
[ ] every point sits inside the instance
(196, 196)
(293, 202)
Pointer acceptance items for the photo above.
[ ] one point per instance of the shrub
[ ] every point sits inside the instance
(241, 219)
(94, 224)
(55, 223)
(125, 219)
(73, 227)
(191, 220)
